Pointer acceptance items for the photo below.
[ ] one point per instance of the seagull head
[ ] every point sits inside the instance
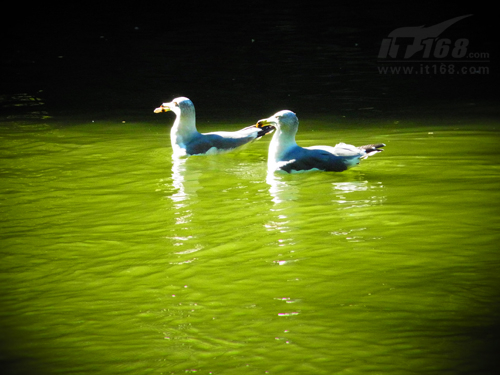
(177, 106)
(284, 120)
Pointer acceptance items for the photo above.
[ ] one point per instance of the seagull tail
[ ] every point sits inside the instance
(372, 149)
(266, 129)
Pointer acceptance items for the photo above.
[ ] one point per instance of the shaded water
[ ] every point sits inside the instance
(115, 259)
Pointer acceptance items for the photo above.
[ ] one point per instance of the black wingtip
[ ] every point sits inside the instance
(373, 148)
(266, 129)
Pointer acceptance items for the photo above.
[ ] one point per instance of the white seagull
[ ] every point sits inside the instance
(186, 140)
(286, 155)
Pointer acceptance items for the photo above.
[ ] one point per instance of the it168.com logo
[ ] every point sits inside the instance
(423, 42)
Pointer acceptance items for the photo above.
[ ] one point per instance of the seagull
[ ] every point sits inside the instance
(286, 155)
(186, 140)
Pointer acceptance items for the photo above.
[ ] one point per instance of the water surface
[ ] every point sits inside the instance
(117, 259)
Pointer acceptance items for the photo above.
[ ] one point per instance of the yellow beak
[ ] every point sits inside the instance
(265, 122)
(163, 108)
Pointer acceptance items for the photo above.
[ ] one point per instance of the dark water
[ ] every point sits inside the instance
(118, 260)
(238, 61)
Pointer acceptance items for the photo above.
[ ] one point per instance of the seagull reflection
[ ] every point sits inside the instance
(178, 171)
(284, 196)
(280, 190)
(351, 186)
(300, 203)
(183, 187)
(343, 188)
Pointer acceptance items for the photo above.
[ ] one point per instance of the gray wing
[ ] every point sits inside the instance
(205, 142)
(225, 141)
(307, 159)
(229, 140)
(218, 141)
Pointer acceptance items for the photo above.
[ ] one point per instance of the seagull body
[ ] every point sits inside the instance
(186, 140)
(286, 155)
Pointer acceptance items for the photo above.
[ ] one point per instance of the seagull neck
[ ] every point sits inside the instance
(282, 141)
(184, 127)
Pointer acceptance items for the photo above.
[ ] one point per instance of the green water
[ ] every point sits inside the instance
(115, 260)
